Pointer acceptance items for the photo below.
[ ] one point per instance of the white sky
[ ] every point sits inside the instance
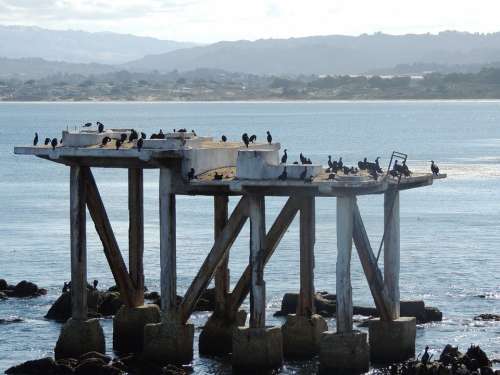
(214, 20)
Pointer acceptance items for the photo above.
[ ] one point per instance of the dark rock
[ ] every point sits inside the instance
(174, 370)
(3, 284)
(485, 370)
(63, 369)
(11, 320)
(152, 296)
(24, 289)
(110, 303)
(432, 314)
(106, 359)
(39, 366)
(494, 317)
(325, 304)
(450, 354)
(3, 295)
(90, 366)
(61, 308)
(476, 353)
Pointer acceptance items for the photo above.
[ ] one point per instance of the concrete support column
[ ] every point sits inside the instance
(79, 335)
(392, 249)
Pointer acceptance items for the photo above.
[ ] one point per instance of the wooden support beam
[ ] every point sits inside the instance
(222, 273)
(273, 238)
(392, 249)
(216, 255)
(78, 244)
(345, 207)
(136, 232)
(370, 268)
(111, 250)
(168, 265)
(306, 307)
(256, 210)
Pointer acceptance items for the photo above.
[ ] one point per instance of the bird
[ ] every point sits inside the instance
(194, 133)
(218, 176)
(191, 175)
(406, 170)
(245, 139)
(118, 143)
(303, 174)
(87, 125)
(183, 130)
(425, 356)
(223, 138)
(377, 165)
(160, 135)
(123, 137)
(47, 141)
(295, 162)
(362, 164)
(283, 175)
(330, 163)
(105, 141)
(309, 179)
(143, 135)
(153, 136)
(340, 163)
(53, 143)
(95, 284)
(434, 168)
(302, 158)
(331, 176)
(284, 157)
(100, 127)
(139, 144)
(345, 170)
(133, 136)
(373, 174)
(252, 138)
(269, 137)
(35, 140)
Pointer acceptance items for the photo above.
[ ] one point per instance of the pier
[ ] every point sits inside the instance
(223, 169)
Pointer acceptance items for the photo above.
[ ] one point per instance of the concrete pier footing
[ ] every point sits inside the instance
(128, 327)
(169, 343)
(216, 338)
(79, 337)
(301, 335)
(392, 341)
(257, 349)
(347, 352)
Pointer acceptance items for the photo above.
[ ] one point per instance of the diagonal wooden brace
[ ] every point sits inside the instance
(370, 268)
(217, 255)
(105, 232)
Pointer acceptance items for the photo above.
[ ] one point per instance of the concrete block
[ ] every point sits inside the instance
(79, 337)
(301, 335)
(168, 343)
(392, 341)
(344, 352)
(128, 327)
(257, 349)
(216, 338)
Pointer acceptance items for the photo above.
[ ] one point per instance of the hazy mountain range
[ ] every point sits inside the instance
(78, 52)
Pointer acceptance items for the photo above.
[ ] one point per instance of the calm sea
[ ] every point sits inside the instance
(450, 232)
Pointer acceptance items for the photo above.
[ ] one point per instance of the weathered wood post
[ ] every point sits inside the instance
(216, 337)
(346, 349)
(129, 321)
(79, 335)
(257, 347)
(392, 339)
(170, 341)
(302, 331)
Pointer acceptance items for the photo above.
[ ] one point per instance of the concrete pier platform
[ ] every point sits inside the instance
(301, 335)
(216, 338)
(79, 337)
(344, 353)
(257, 350)
(128, 327)
(392, 341)
(169, 343)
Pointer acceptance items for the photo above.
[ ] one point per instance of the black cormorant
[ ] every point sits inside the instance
(95, 284)
(140, 142)
(143, 135)
(330, 163)
(269, 137)
(160, 135)
(133, 135)
(252, 138)
(283, 175)
(194, 133)
(331, 176)
(87, 125)
(123, 137)
(223, 138)
(434, 168)
(35, 140)
(302, 158)
(218, 176)
(100, 127)
(191, 175)
(426, 356)
(47, 141)
(245, 139)
(340, 164)
(284, 157)
(53, 143)
(118, 143)
(105, 141)
(377, 165)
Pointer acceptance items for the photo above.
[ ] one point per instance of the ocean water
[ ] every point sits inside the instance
(450, 231)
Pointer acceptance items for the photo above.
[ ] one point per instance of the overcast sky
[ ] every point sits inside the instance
(215, 20)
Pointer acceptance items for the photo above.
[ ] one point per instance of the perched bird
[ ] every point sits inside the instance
(308, 161)
(283, 175)
(87, 125)
(396, 169)
(330, 163)
(143, 135)
(405, 170)
(160, 135)
(331, 176)
(426, 356)
(153, 136)
(295, 162)
(194, 133)
(105, 141)
(434, 168)
(340, 164)
(373, 174)
(218, 176)
(303, 174)
(284, 157)
(95, 284)
(35, 140)
(223, 138)
(377, 165)
(191, 175)
(100, 127)
(269, 137)
(345, 170)
(183, 130)
(53, 143)
(47, 141)
(118, 143)
(252, 138)
(245, 139)
(140, 143)
(362, 164)
(309, 179)
(302, 158)
(133, 136)
(123, 137)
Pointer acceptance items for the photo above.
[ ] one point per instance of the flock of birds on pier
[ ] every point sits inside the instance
(334, 166)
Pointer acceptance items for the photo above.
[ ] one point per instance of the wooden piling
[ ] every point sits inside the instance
(257, 247)
(345, 207)
(392, 249)
(306, 307)
(136, 232)
(168, 272)
(78, 244)
(222, 273)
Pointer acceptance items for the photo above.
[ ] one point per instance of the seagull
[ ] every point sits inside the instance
(224, 138)
(283, 175)
(284, 157)
(35, 140)
(434, 168)
(139, 144)
(269, 137)
(100, 127)
(87, 125)
(53, 143)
